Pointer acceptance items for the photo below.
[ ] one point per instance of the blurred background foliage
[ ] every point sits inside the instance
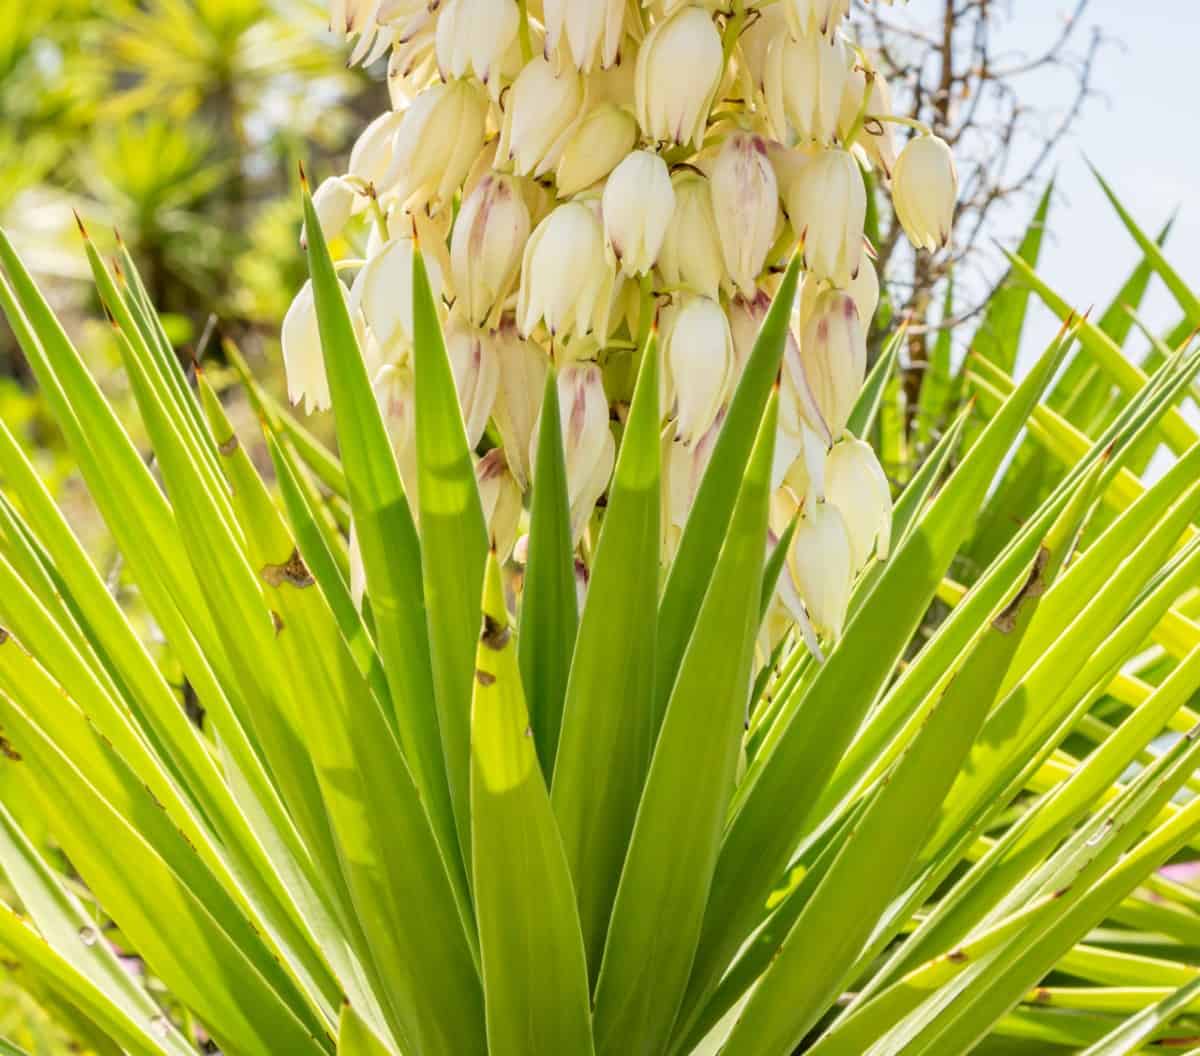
(178, 124)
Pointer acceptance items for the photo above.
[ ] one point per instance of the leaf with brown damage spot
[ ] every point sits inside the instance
(1034, 587)
(293, 571)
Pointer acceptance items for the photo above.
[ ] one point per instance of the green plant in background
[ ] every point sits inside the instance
(883, 857)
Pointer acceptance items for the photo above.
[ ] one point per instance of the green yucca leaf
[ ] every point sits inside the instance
(391, 552)
(866, 408)
(664, 884)
(854, 1033)
(1084, 391)
(607, 725)
(1176, 431)
(72, 934)
(1182, 293)
(999, 335)
(549, 616)
(1095, 881)
(789, 779)
(355, 1038)
(534, 968)
(687, 579)
(315, 547)
(324, 465)
(453, 539)
(142, 852)
(1131, 1035)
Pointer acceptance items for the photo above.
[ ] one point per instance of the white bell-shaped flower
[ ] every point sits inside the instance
(924, 189)
(863, 288)
(440, 136)
(588, 30)
(679, 69)
(637, 205)
(487, 244)
(588, 446)
(566, 277)
(745, 197)
(596, 146)
(820, 564)
(383, 291)
(856, 484)
(804, 82)
(371, 155)
(810, 17)
(540, 113)
(833, 358)
(473, 35)
(691, 255)
(698, 351)
(334, 202)
(303, 361)
(476, 376)
(500, 497)
(395, 393)
(523, 367)
(827, 204)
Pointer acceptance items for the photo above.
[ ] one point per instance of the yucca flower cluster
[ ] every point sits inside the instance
(576, 171)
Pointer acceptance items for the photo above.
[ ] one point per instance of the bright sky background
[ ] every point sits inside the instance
(1142, 132)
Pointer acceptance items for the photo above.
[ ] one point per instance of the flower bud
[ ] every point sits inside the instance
(819, 563)
(592, 29)
(745, 199)
(827, 204)
(383, 291)
(606, 134)
(395, 393)
(413, 62)
(522, 369)
(924, 189)
(746, 315)
(683, 468)
(863, 288)
(809, 17)
(440, 136)
(637, 205)
(476, 377)
(691, 254)
(486, 246)
(540, 114)
(804, 82)
(566, 278)
(349, 17)
(500, 498)
(473, 35)
(371, 155)
(857, 486)
(333, 201)
(303, 361)
(679, 69)
(833, 358)
(588, 445)
(698, 351)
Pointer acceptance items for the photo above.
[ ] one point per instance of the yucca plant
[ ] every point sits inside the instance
(434, 825)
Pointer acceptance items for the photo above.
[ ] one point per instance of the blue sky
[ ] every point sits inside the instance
(1143, 133)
